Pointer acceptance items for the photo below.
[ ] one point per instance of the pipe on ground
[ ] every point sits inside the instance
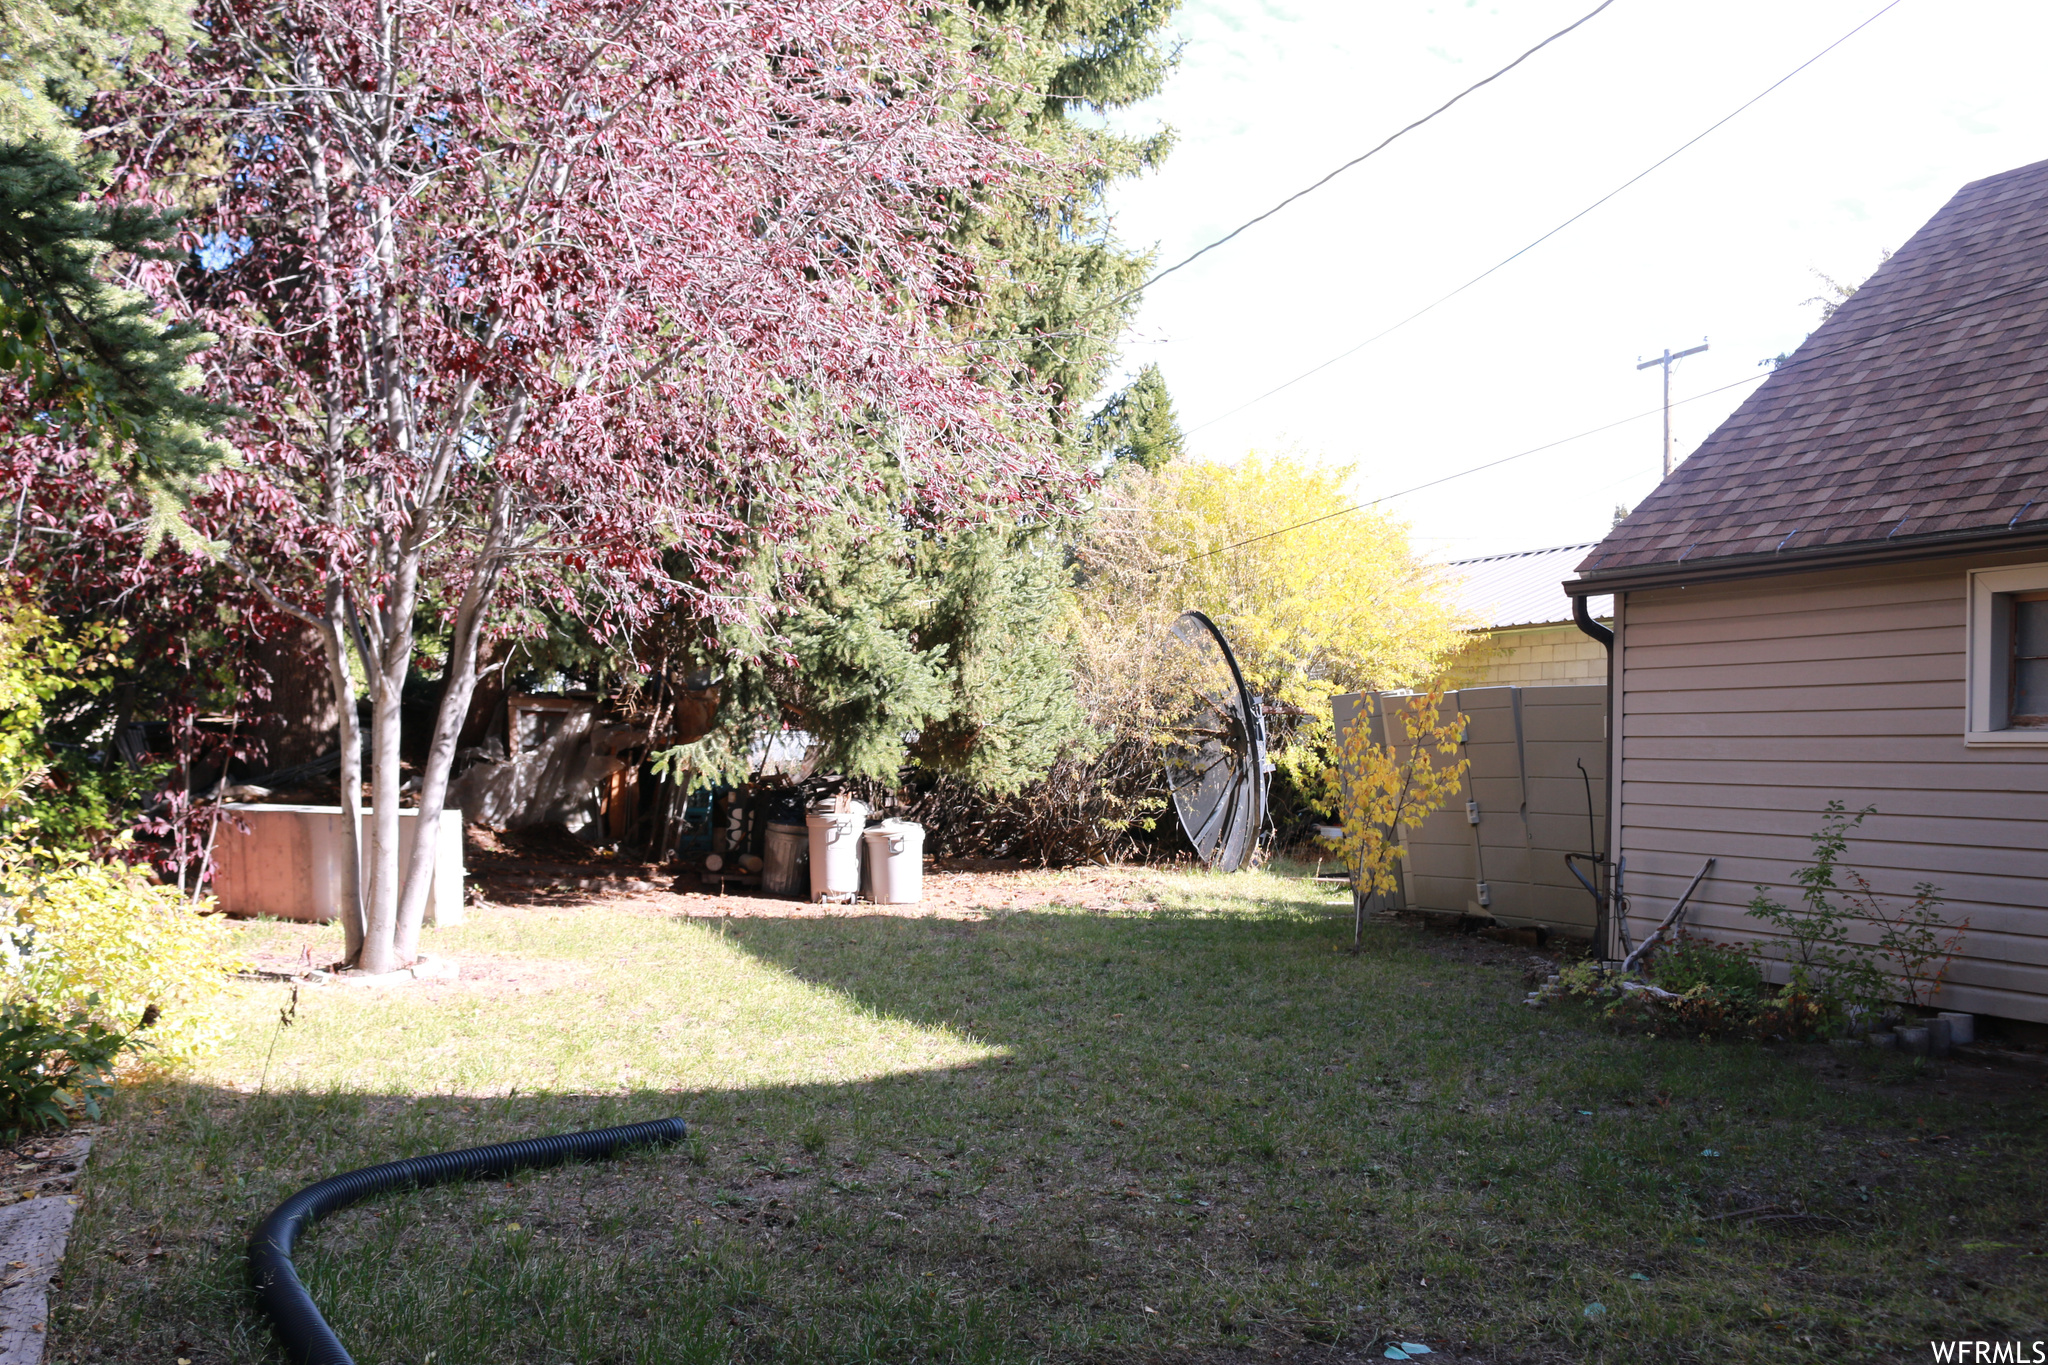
(300, 1330)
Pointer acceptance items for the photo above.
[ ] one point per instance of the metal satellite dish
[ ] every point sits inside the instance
(1215, 742)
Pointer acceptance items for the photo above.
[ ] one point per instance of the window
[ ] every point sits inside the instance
(2008, 660)
(2029, 686)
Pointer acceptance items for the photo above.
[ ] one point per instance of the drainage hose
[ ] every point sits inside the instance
(304, 1334)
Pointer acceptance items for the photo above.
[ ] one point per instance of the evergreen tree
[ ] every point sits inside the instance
(1002, 617)
(951, 653)
(1052, 281)
(82, 361)
(61, 53)
(1138, 424)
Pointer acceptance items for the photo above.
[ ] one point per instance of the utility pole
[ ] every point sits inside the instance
(1665, 360)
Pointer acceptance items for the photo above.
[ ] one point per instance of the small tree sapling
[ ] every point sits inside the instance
(1385, 790)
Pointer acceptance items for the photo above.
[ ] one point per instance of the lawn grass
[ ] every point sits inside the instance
(1198, 1133)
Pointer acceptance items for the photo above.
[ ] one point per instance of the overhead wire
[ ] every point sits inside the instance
(1388, 141)
(1509, 260)
(1925, 320)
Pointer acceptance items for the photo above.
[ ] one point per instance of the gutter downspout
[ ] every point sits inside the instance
(1583, 618)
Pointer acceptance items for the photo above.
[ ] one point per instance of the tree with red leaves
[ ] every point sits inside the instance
(540, 302)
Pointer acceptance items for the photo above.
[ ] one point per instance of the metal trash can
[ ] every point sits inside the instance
(783, 855)
(895, 862)
(834, 828)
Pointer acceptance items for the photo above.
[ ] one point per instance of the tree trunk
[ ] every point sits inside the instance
(380, 918)
(334, 636)
(460, 683)
(419, 873)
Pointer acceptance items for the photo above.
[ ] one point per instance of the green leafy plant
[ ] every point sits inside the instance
(1701, 987)
(1691, 962)
(1915, 936)
(1826, 960)
(1823, 958)
(102, 937)
(51, 794)
(54, 1068)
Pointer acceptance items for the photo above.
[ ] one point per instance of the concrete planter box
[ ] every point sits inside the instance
(285, 862)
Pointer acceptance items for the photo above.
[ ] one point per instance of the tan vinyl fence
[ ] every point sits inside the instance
(1529, 804)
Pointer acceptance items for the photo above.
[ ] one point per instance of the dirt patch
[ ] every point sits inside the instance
(1985, 1076)
(480, 974)
(971, 893)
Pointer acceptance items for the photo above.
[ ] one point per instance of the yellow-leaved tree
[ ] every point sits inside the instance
(1386, 786)
(1316, 599)
(1340, 604)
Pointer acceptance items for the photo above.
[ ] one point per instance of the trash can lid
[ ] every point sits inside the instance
(894, 829)
(830, 807)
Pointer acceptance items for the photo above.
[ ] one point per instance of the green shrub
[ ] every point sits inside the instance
(82, 935)
(1697, 986)
(53, 794)
(1722, 968)
(1822, 953)
(52, 1070)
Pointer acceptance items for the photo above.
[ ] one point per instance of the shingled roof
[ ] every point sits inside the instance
(1914, 418)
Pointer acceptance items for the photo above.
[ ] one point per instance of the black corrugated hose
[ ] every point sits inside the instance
(304, 1334)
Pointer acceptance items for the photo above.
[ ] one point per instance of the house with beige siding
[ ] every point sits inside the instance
(1843, 595)
(1526, 636)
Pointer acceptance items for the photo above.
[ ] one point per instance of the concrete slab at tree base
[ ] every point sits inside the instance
(32, 1237)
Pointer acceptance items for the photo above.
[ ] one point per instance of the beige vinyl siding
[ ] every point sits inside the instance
(1745, 707)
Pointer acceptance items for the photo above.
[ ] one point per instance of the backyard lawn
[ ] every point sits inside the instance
(1196, 1131)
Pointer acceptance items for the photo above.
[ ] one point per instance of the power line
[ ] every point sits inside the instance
(1660, 162)
(1933, 317)
(1366, 156)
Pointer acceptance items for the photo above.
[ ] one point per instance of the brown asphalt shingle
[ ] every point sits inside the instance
(1919, 408)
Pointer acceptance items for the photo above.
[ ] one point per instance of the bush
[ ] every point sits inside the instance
(52, 1070)
(103, 939)
(1834, 972)
(1700, 988)
(1722, 967)
(1823, 953)
(52, 793)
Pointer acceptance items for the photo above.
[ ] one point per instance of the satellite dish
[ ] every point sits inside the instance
(1215, 743)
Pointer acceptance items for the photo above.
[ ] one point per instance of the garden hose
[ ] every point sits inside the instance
(304, 1334)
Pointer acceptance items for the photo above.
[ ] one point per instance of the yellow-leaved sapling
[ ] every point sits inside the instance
(1386, 790)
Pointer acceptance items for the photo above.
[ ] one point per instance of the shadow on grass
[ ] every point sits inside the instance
(1171, 1136)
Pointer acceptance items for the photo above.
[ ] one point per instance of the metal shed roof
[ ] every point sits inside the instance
(1522, 589)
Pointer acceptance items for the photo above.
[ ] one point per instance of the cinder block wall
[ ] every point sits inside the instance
(1531, 656)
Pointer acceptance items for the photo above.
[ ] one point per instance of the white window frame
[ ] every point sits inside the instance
(1988, 672)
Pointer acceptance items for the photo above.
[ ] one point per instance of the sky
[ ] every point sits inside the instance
(1843, 162)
